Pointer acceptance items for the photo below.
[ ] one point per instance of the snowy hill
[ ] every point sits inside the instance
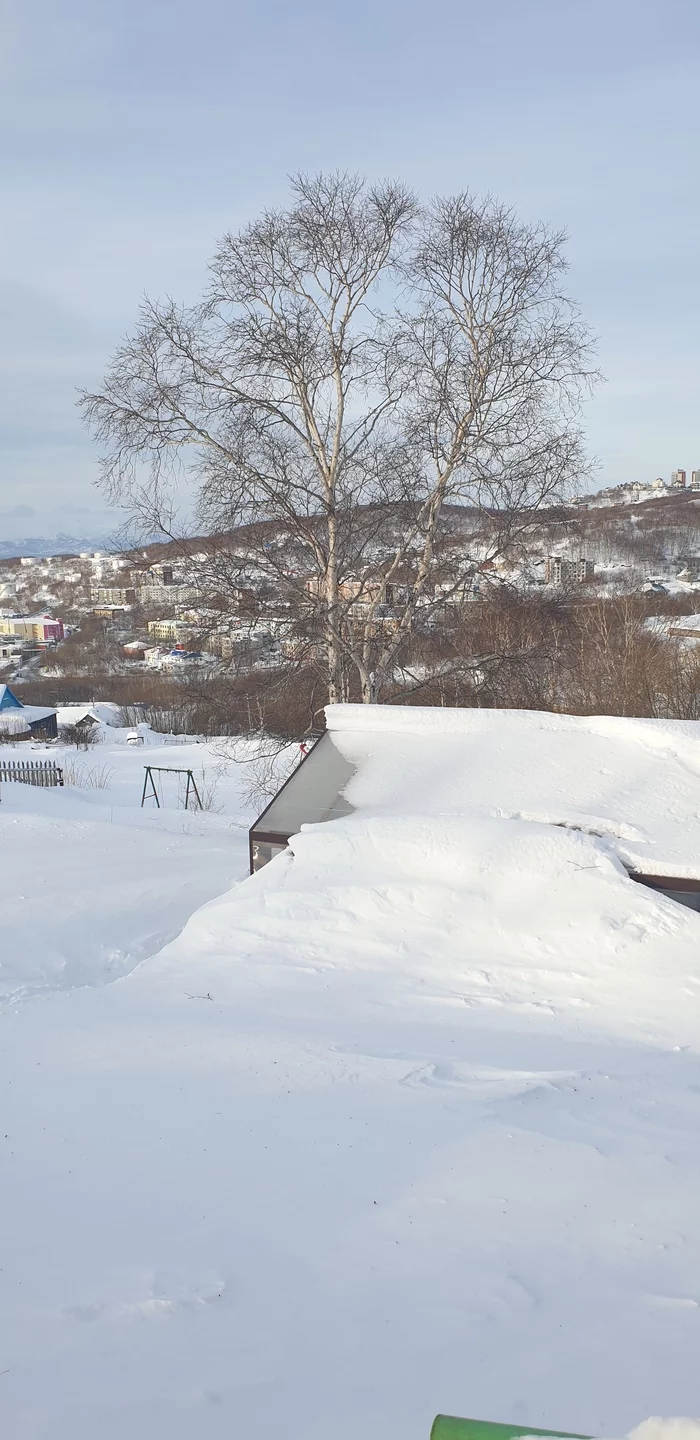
(406, 1122)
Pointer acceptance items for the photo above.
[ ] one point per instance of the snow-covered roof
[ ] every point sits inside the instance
(670, 585)
(38, 619)
(108, 712)
(633, 784)
(76, 714)
(11, 705)
(98, 710)
(36, 712)
(26, 715)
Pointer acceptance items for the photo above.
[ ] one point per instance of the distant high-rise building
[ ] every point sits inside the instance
(678, 479)
(695, 479)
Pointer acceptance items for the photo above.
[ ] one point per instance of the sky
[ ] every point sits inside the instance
(132, 135)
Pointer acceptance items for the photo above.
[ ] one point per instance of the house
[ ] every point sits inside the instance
(672, 585)
(104, 712)
(41, 722)
(633, 785)
(81, 719)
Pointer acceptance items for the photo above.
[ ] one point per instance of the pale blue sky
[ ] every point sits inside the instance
(133, 133)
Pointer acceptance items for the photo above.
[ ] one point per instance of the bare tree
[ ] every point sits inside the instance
(383, 398)
(500, 362)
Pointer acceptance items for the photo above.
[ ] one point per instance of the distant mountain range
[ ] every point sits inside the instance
(39, 545)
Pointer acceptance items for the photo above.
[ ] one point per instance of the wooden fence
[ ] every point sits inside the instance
(45, 773)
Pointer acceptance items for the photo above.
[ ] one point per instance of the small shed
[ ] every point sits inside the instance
(75, 721)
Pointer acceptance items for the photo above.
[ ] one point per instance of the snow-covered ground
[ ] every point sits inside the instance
(408, 1122)
(91, 883)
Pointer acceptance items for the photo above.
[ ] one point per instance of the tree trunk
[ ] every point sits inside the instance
(332, 642)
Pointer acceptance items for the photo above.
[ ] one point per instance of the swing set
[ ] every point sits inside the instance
(150, 786)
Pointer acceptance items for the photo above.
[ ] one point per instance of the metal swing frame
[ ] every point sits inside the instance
(152, 794)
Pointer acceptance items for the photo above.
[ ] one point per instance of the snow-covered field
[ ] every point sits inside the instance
(91, 883)
(408, 1122)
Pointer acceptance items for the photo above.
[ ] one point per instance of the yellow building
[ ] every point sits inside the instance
(170, 629)
(42, 629)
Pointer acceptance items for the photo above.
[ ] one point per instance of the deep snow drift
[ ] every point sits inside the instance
(408, 1122)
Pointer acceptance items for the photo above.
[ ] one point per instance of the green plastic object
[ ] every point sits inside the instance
(451, 1427)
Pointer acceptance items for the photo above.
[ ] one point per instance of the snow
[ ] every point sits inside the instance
(74, 714)
(32, 712)
(92, 883)
(103, 710)
(405, 1123)
(634, 783)
(656, 1428)
(670, 584)
(685, 622)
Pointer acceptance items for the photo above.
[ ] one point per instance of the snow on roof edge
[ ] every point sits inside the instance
(443, 720)
(400, 719)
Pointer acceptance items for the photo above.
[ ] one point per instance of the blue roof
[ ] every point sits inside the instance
(9, 701)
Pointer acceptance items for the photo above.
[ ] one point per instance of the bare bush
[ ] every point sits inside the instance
(591, 657)
(208, 787)
(87, 777)
(265, 772)
(83, 735)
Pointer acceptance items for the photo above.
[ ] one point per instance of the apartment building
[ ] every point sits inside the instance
(170, 629)
(119, 595)
(559, 571)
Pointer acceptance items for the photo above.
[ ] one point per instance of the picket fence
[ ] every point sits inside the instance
(45, 773)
